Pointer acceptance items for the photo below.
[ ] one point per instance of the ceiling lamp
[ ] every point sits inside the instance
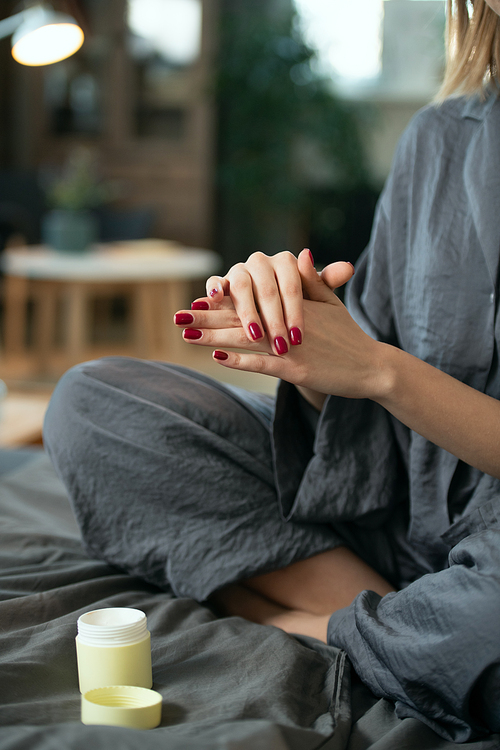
(42, 36)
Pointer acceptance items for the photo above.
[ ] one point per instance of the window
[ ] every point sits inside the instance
(385, 47)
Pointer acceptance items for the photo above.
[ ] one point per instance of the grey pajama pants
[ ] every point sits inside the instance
(170, 475)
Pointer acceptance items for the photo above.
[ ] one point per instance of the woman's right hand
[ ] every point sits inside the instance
(267, 295)
(335, 357)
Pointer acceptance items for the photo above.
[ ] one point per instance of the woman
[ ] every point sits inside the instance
(384, 449)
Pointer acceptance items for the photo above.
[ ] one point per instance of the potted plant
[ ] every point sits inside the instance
(71, 225)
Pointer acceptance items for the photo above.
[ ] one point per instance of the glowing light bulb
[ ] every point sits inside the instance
(48, 44)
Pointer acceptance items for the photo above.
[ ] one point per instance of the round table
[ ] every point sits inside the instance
(156, 273)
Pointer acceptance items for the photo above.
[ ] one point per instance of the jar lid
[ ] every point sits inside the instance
(122, 706)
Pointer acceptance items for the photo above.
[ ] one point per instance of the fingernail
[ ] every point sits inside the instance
(220, 355)
(213, 292)
(183, 319)
(192, 333)
(353, 269)
(255, 331)
(280, 345)
(311, 257)
(200, 305)
(295, 336)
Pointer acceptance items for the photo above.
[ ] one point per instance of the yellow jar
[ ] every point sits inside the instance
(113, 647)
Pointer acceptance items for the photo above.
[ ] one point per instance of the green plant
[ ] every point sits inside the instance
(271, 100)
(79, 187)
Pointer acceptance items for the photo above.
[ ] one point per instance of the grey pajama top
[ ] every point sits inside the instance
(427, 283)
(173, 476)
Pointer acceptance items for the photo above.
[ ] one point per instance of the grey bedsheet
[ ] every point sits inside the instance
(226, 683)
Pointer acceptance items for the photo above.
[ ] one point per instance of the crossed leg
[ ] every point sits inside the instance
(301, 597)
(171, 477)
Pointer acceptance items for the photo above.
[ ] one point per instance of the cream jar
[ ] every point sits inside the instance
(113, 647)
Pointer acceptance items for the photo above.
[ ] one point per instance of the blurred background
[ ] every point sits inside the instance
(186, 125)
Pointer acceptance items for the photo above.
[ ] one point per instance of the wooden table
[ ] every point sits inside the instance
(156, 273)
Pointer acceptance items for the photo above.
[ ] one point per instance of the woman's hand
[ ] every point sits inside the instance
(267, 295)
(266, 292)
(335, 356)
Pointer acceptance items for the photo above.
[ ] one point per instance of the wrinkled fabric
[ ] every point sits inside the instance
(427, 283)
(176, 479)
(225, 683)
(171, 475)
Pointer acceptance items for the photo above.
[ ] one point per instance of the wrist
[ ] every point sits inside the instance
(384, 372)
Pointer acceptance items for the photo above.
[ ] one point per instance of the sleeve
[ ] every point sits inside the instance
(434, 645)
(352, 468)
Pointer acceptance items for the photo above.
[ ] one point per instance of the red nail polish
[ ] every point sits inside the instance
(353, 269)
(200, 305)
(192, 333)
(295, 336)
(255, 331)
(220, 355)
(213, 292)
(183, 319)
(311, 257)
(280, 345)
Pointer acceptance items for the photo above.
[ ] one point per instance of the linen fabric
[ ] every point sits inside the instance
(428, 283)
(176, 479)
(171, 475)
(226, 683)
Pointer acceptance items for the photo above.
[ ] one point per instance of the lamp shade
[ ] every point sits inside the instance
(45, 37)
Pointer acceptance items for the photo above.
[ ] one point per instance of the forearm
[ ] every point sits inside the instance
(337, 357)
(454, 416)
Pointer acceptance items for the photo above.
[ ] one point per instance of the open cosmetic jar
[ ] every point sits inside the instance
(113, 647)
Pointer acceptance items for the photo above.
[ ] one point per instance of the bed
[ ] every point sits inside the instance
(226, 683)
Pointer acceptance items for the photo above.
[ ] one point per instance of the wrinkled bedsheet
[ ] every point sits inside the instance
(226, 683)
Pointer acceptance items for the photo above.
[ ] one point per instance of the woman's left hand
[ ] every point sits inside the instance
(336, 356)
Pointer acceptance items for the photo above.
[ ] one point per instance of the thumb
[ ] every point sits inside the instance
(337, 274)
(315, 286)
(312, 284)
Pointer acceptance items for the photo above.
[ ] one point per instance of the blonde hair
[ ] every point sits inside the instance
(473, 48)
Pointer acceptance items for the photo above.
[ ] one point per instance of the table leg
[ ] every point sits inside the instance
(16, 314)
(174, 297)
(77, 324)
(144, 319)
(44, 322)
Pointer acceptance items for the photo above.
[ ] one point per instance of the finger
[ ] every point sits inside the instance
(206, 303)
(337, 274)
(266, 364)
(268, 297)
(231, 338)
(200, 304)
(207, 319)
(241, 291)
(314, 286)
(290, 288)
(217, 287)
